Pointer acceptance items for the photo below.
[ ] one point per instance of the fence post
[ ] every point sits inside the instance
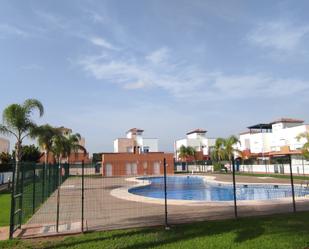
(33, 194)
(58, 198)
(165, 195)
(21, 196)
(234, 188)
(83, 197)
(13, 201)
(292, 184)
(43, 183)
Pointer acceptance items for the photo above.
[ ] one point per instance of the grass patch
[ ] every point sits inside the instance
(290, 231)
(5, 208)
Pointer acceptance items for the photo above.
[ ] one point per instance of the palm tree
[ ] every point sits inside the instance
(185, 152)
(224, 149)
(305, 149)
(218, 153)
(17, 122)
(72, 145)
(44, 135)
(229, 147)
(63, 146)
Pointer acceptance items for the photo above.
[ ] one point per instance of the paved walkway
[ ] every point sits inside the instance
(103, 211)
(4, 233)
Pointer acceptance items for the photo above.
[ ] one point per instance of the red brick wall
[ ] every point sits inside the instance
(119, 163)
(123, 143)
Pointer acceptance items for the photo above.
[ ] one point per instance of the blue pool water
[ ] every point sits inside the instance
(196, 188)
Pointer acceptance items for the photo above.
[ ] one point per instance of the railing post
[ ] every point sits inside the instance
(58, 198)
(13, 201)
(83, 196)
(292, 184)
(165, 195)
(33, 192)
(43, 183)
(234, 188)
(21, 196)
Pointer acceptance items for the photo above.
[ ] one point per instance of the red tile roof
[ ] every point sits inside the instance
(288, 120)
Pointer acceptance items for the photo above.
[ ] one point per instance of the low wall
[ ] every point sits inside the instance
(297, 169)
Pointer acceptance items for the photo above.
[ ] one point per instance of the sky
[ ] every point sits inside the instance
(166, 66)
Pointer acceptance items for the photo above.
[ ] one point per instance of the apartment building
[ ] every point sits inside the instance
(135, 142)
(135, 155)
(198, 140)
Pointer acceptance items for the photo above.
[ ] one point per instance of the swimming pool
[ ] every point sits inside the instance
(199, 189)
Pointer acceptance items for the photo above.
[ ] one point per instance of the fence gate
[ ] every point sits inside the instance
(34, 197)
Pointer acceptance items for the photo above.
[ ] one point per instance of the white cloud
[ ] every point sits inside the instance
(258, 85)
(183, 80)
(96, 17)
(6, 29)
(98, 41)
(158, 56)
(52, 20)
(279, 35)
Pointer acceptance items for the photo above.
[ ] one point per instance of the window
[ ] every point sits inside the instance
(146, 149)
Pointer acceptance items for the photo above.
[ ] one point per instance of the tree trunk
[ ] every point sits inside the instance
(17, 157)
(46, 157)
(18, 151)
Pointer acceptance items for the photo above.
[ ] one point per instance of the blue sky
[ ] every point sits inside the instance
(102, 67)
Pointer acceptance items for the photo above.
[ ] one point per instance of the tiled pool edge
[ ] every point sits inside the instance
(123, 193)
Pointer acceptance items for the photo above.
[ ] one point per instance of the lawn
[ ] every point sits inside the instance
(5, 208)
(278, 231)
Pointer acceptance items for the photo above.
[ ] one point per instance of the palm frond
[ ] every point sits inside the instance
(6, 131)
(31, 104)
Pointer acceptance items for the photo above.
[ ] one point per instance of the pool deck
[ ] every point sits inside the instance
(104, 210)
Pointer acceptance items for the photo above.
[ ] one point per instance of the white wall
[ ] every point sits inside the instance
(116, 146)
(281, 135)
(299, 167)
(260, 142)
(287, 137)
(152, 143)
(197, 141)
(4, 145)
(5, 176)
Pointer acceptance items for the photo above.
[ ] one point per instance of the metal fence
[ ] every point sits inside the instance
(72, 198)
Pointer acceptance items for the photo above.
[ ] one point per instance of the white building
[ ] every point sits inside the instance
(196, 139)
(4, 145)
(277, 136)
(134, 141)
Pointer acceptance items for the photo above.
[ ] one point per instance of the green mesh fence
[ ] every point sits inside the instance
(34, 183)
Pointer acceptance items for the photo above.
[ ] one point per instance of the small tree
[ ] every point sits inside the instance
(44, 135)
(63, 146)
(218, 153)
(29, 153)
(185, 153)
(224, 149)
(5, 158)
(305, 149)
(18, 123)
(72, 145)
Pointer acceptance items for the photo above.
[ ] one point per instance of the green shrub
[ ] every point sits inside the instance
(218, 166)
